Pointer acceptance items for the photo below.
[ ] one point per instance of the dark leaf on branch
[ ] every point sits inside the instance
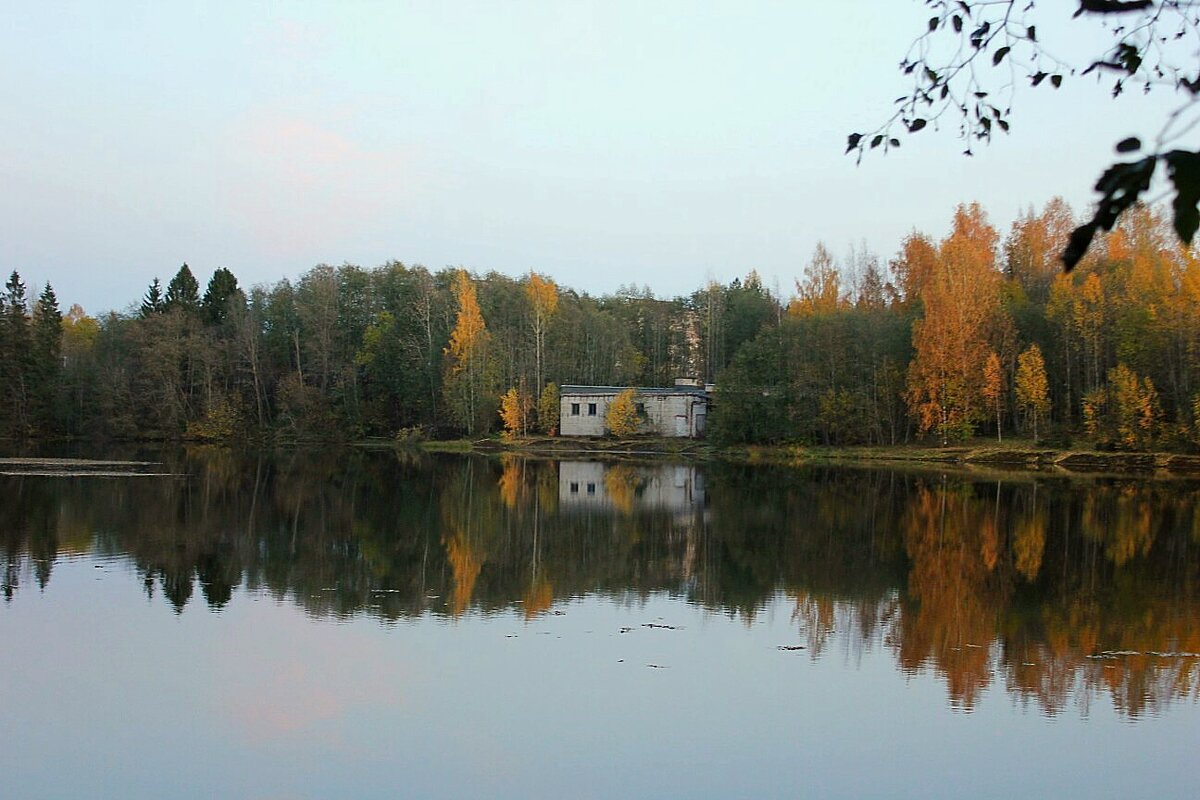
(999, 55)
(916, 125)
(1129, 145)
(1056, 80)
(933, 23)
(852, 141)
(1184, 169)
(957, 21)
(1130, 57)
(1078, 244)
(1038, 77)
(876, 140)
(1120, 186)
(1111, 6)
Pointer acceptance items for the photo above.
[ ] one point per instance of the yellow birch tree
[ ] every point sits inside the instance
(1032, 387)
(622, 416)
(515, 408)
(543, 297)
(993, 388)
(548, 409)
(467, 368)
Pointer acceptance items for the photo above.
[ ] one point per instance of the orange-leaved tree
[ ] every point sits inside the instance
(961, 305)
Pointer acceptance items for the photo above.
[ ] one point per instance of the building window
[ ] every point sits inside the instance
(574, 487)
(641, 409)
(574, 409)
(591, 488)
(591, 409)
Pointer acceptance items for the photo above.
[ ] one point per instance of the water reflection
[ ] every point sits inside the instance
(594, 485)
(1060, 591)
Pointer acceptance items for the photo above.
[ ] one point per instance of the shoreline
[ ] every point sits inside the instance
(1012, 456)
(1016, 456)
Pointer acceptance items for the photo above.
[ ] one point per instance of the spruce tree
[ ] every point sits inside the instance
(152, 302)
(46, 372)
(14, 358)
(183, 292)
(221, 287)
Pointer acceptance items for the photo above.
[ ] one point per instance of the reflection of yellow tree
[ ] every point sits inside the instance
(468, 518)
(510, 480)
(1122, 519)
(951, 619)
(538, 598)
(465, 566)
(1029, 542)
(621, 483)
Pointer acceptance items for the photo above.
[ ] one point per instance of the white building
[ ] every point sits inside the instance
(681, 410)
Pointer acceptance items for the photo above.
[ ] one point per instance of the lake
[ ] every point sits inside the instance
(369, 624)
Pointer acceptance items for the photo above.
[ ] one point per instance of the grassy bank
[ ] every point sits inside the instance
(1015, 454)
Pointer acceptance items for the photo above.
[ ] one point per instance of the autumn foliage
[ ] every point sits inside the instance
(622, 416)
(961, 303)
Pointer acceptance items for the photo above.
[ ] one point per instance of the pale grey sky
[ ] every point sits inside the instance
(601, 143)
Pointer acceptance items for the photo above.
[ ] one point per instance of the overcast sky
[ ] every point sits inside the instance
(601, 143)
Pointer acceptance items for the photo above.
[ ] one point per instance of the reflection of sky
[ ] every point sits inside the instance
(106, 694)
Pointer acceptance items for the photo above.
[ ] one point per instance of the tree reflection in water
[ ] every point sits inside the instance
(1060, 590)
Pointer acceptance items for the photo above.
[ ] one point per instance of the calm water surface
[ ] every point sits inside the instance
(353, 624)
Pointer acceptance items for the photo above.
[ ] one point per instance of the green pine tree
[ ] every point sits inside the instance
(46, 363)
(152, 302)
(183, 292)
(215, 305)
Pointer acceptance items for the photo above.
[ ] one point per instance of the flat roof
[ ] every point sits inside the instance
(571, 389)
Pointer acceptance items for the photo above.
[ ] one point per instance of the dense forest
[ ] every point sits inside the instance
(973, 334)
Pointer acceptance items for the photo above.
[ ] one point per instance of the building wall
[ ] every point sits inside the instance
(682, 414)
(583, 424)
(673, 414)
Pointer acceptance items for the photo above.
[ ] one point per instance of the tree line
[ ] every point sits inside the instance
(972, 334)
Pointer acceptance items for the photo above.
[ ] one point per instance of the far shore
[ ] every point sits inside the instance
(1017, 454)
(975, 455)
